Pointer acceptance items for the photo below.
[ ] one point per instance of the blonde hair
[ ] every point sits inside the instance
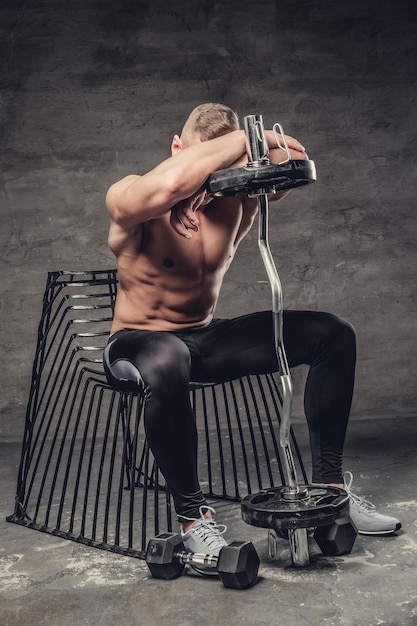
(211, 120)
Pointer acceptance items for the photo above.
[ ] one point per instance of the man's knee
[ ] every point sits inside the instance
(346, 332)
(339, 333)
(167, 371)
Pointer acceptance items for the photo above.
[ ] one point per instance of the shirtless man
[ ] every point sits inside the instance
(173, 245)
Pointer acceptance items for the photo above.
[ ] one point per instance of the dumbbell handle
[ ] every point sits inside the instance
(195, 558)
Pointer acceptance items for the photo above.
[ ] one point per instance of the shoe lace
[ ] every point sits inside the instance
(207, 530)
(360, 502)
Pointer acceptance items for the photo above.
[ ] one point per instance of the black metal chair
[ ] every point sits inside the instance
(86, 472)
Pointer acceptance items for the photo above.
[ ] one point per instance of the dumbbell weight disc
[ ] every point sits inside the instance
(161, 556)
(238, 565)
(261, 179)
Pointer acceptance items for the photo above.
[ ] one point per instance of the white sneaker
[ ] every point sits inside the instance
(366, 519)
(205, 537)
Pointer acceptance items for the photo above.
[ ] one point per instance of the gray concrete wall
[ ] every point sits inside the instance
(91, 91)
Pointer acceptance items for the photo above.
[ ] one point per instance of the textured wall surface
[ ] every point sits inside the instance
(93, 90)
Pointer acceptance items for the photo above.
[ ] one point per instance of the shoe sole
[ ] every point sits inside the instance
(380, 532)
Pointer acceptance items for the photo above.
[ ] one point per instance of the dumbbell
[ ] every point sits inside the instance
(237, 564)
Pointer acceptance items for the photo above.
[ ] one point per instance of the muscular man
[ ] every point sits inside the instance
(173, 245)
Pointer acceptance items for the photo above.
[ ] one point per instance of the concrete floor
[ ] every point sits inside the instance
(46, 580)
(91, 91)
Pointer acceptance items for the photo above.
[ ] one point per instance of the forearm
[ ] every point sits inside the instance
(187, 170)
(276, 152)
(140, 198)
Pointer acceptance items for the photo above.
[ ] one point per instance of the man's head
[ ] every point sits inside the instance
(206, 121)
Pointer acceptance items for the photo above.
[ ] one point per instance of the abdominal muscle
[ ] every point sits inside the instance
(174, 284)
(153, 306)
(167, 282)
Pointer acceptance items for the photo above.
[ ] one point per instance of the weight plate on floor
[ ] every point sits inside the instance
(316, 506)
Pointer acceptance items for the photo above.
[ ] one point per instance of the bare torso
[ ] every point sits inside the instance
(173, 242)
(167, 282)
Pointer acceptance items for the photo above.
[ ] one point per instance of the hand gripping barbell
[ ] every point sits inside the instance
(237, 564)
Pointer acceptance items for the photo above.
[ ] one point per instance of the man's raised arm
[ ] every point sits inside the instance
(137, 199)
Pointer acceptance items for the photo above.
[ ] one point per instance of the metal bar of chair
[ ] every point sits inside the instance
(86, 472)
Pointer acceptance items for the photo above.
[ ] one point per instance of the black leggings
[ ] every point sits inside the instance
(161, 364)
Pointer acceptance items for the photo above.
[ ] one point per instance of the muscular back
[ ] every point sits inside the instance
(167, 282)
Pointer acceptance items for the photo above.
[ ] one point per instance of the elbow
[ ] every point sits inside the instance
(112, 205)
(115, 208)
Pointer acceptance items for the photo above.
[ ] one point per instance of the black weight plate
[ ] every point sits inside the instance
(270, 509)
(262, 179)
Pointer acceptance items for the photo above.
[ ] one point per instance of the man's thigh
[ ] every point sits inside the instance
(231, 348)
(245, 345)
